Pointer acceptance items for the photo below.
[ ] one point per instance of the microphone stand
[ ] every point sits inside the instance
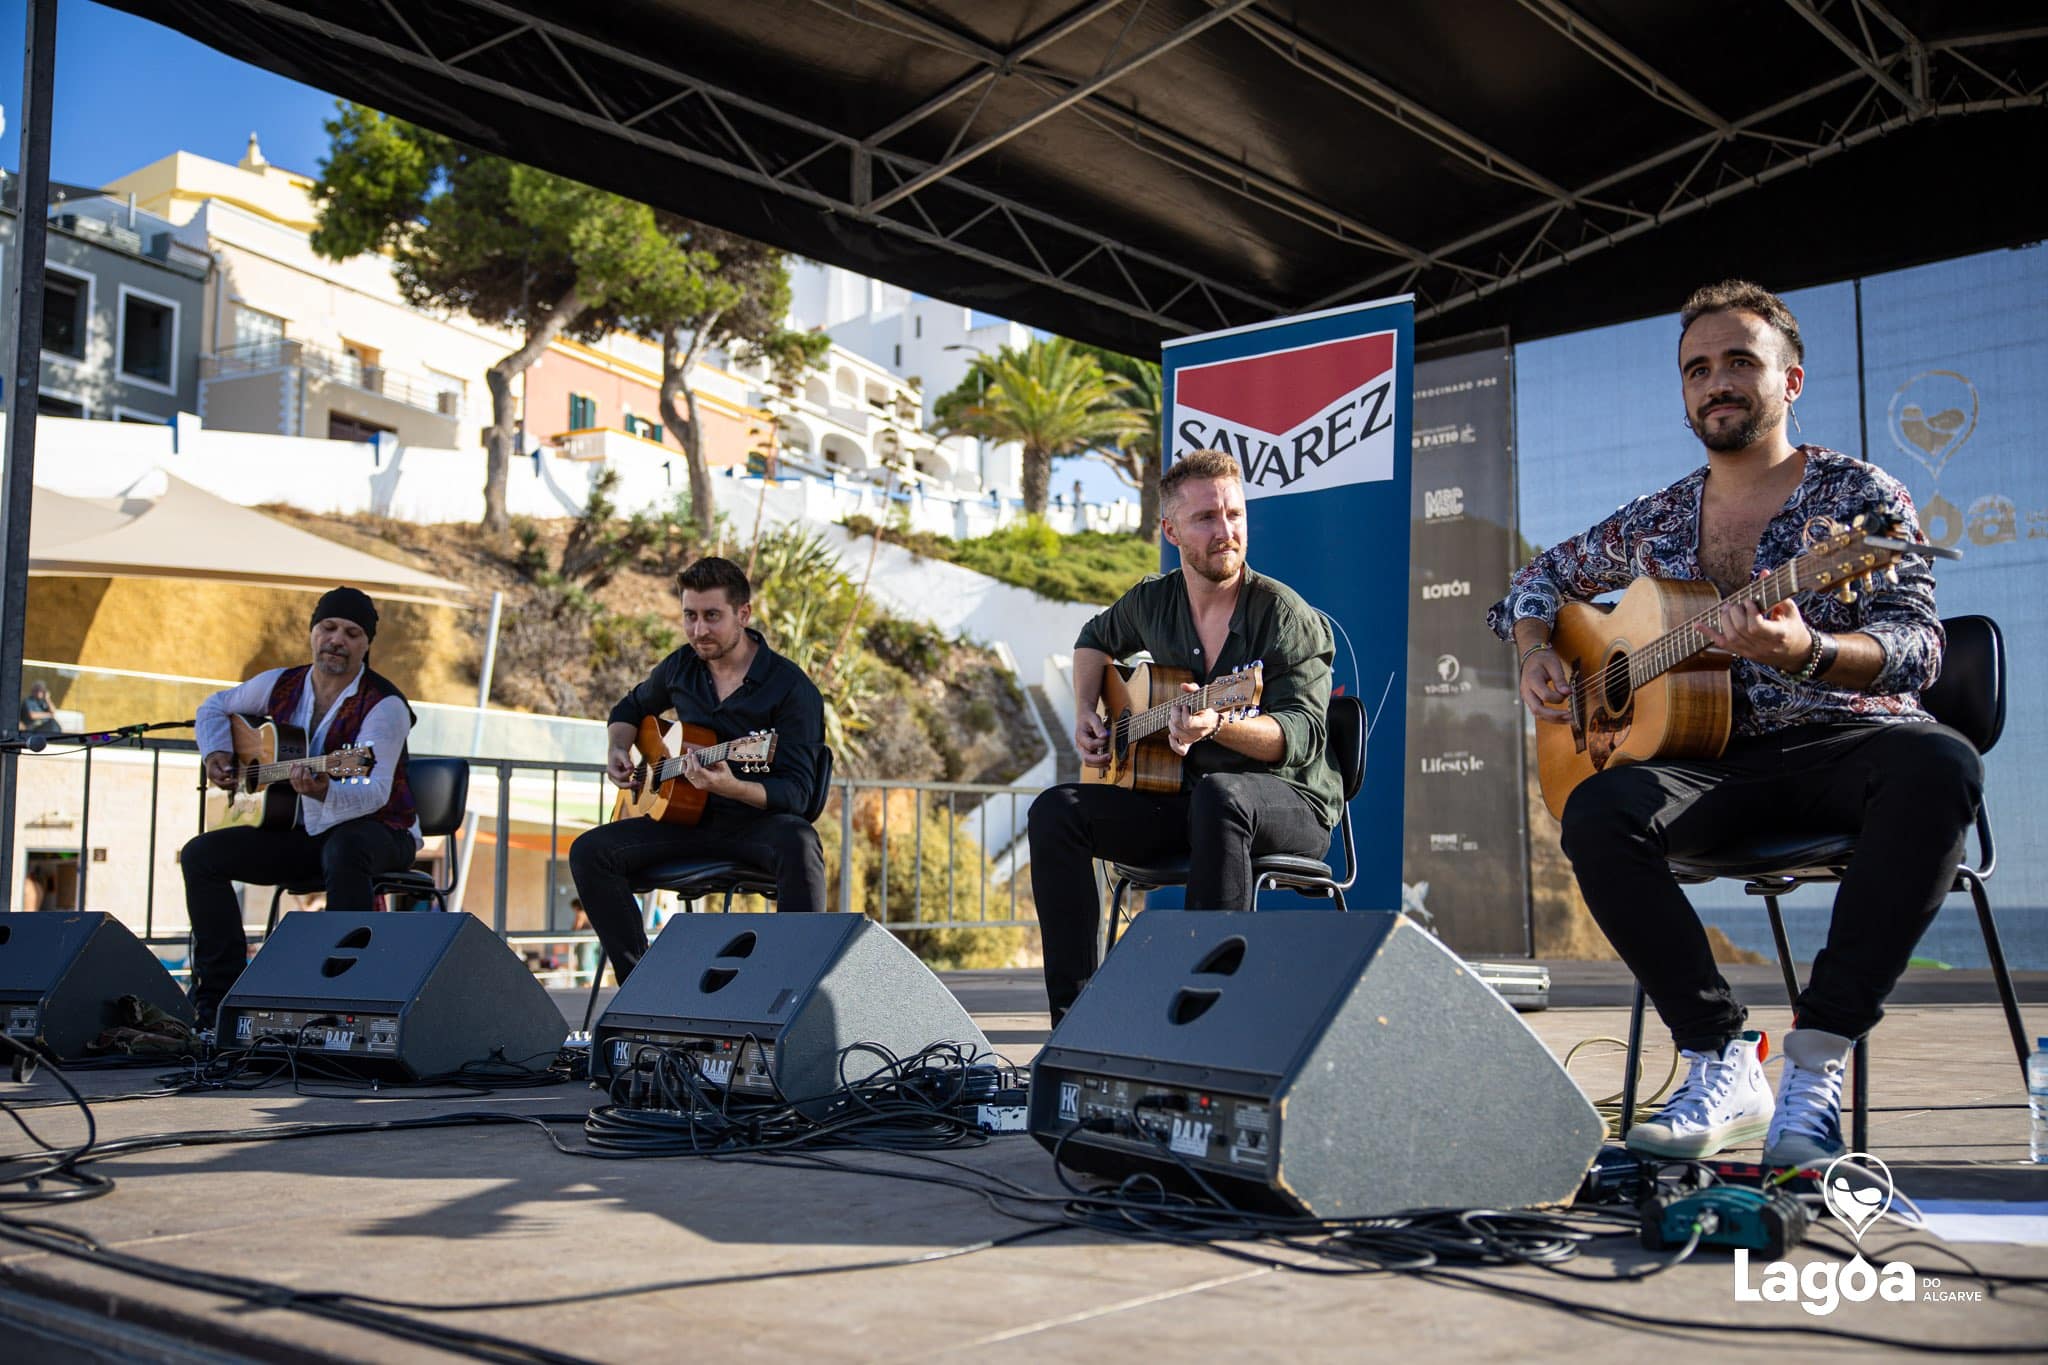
(35, 744)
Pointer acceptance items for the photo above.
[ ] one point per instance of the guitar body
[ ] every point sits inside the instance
(1150, 765)
(674, 802)
(1685, 712)
(258, 740)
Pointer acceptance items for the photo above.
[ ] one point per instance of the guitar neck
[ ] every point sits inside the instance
(1674, 647)
(1151, 722)
(671, 768)
(263, 774)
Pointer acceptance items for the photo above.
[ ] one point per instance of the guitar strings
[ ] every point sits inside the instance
(1586, 685)
(1751, 591)
(1127, 729)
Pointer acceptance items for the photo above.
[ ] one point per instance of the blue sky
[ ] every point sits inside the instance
(130, 92)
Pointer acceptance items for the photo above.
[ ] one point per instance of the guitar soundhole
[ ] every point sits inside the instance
(335, 966)
(1224, 959)
(715, 980)
(1614, 678)
(355, 938)
(743, 946)
(1190, 1004)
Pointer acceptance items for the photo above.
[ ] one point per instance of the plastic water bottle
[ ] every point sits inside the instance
(2037, 1100)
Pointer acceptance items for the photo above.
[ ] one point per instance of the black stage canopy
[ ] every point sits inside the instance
(1123, 171)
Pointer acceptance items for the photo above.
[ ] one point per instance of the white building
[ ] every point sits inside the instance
(912, 337)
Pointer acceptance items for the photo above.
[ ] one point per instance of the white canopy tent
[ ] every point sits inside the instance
(187, 532)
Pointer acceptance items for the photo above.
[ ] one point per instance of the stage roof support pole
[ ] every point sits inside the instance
(24, 291)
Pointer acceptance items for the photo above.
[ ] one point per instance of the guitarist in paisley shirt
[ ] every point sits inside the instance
(1248, 787)
(1828, 733)
(342, 833)
(726, 679)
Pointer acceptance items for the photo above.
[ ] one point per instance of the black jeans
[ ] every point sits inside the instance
(1225, 822)
(604, 860)
(1908, 791)
(344, 859)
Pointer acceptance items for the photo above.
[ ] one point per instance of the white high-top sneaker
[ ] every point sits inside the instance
(1724, 1102)
(1807, 1129)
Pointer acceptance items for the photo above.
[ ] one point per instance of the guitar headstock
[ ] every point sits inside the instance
(352, 764)
(1844, 559)
(1237, 695)
(753, 753)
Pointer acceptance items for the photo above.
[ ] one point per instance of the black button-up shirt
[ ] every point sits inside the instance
(1271, 624)
(775, 695)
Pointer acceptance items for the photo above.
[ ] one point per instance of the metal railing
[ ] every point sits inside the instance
(415, 391)
(865, 817)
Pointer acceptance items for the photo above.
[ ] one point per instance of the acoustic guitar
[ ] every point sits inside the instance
(1645, 683)
(265, 752)
(1137, 703)
(659, 790)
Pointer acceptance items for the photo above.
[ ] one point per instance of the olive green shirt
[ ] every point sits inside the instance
(1271, 624)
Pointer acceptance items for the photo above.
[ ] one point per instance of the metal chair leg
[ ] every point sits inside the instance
(1635, 1062)
(596, 976)
(1859, 1090)
(2000, 974)
(1338, 892)
(277, 895)
(1784, 952)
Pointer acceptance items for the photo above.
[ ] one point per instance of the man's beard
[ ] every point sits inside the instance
(708, 648)
(1754, 426)
(1207, 565)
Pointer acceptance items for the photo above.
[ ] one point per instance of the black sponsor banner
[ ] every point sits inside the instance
(1464, 858)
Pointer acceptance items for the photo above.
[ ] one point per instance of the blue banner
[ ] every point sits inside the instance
(1317, 409)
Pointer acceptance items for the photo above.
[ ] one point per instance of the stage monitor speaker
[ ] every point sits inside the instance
(768, 1003)
(62, 971)
(1340, 1065)
(411, 994)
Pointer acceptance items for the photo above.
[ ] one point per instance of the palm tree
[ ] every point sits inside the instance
(1135, 456)
(1051, 398)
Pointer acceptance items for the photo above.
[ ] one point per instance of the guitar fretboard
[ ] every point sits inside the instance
(263, 774)
(671, 768)
(1152, 721)
(1674, 647)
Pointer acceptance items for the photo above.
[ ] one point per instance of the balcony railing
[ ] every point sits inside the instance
(415, 391)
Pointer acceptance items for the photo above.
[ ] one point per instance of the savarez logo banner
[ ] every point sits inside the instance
(1298, 420)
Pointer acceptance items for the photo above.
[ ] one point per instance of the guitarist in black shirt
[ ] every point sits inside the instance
(726, 679)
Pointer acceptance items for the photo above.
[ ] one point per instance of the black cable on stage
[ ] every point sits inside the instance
(901, 1107)
(49, 1163)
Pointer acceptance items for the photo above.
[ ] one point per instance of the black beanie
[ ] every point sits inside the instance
(350, 604)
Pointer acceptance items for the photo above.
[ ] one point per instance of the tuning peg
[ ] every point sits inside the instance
(1891, 574)
(1848, 591)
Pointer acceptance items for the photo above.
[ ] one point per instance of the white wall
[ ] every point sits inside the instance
(112, 459)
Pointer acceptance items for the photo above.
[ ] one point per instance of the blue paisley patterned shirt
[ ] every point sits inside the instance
(1659, 535)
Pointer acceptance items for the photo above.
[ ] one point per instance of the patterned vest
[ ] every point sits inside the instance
(398, 812)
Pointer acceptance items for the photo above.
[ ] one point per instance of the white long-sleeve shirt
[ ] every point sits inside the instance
(385, 730)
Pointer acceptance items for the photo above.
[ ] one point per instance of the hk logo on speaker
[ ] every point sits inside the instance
(1314, 417)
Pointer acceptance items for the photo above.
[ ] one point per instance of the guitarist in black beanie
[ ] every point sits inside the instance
(340, 833)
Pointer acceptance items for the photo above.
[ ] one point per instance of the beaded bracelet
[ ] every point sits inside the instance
(1819, 659)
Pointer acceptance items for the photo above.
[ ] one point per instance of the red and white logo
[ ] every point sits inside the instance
(1299, 420)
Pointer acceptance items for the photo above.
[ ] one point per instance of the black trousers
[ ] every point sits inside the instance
(1220, 826)
(1909, 791)
(344, 859)
(604, 860)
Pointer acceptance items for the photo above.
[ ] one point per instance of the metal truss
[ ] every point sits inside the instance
(1894, 80)
(505, 51)
(1889, 79)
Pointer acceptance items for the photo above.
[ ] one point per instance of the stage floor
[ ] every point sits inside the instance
(450, 1215)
